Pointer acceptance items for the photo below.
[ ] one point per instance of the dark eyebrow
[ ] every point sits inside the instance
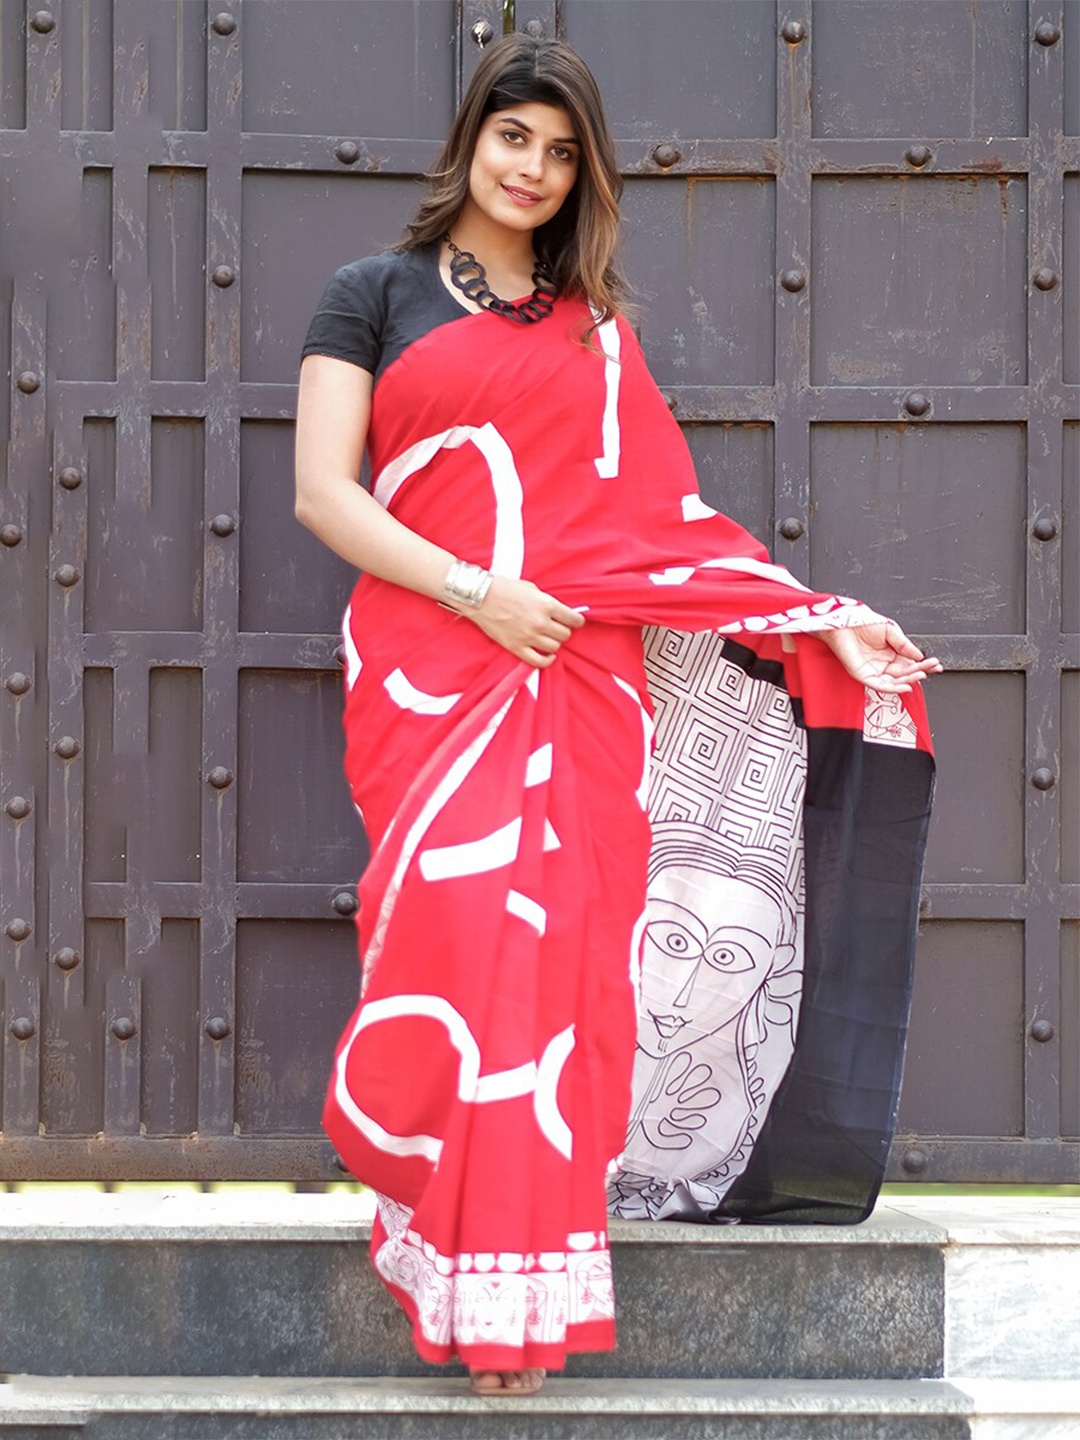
(520, 125)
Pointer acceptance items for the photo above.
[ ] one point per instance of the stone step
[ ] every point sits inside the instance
(34, 1407)
(281, 1285)
(274, 1283)
(351, 1408)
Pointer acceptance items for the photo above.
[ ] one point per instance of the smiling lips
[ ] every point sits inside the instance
(668, 1025)
(523, 197)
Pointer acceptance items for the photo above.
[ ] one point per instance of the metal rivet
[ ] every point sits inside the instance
(23, 1027)
(1044, 279)
(344, 902)
(70, 478)
(482, 33)
(17, 930)
(1042, 1031)
(1045, 528)
(793, 280)
(67, 576)
(666, 155)
(42, 21)
(220, 778)
(67, 959)
(10, 535)
(793, 31)
(1043, 778)
(347, 151)
(918, 155)
(223, 276)
(18, 683)
(915, 1161)
(792, 528)
(339, 654)
(223, 24)
(1047, 33)
(223, 525)
(18, 807)
(917, 403)
(123, 1027)
(28, 382)
(67, 747)
(218, 1028)
(535, 29)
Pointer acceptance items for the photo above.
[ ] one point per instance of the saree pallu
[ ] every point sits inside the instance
(534, 1042)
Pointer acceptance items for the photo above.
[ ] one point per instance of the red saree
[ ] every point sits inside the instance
(484, 1083)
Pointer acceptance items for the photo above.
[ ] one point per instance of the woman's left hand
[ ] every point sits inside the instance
(881, 656)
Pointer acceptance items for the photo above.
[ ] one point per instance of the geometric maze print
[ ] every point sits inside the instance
(729, 755)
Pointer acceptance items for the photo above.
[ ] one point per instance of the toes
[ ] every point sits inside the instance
(487, 1382)
(502, 1382)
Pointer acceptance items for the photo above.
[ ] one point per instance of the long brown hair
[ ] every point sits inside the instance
(577, 245)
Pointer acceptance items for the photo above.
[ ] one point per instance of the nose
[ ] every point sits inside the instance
(531, 162)
(683, 998)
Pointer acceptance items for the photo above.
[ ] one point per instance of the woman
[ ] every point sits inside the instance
(533, 508)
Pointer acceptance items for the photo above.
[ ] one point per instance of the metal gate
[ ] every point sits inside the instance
(855, 228)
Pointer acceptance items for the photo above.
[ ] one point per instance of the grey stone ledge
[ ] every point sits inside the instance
(188, 1216)
(1051, 1398)
(989, 1220)
(235, 1216)
(31, 1398)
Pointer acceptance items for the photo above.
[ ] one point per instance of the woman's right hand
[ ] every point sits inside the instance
(519, 616)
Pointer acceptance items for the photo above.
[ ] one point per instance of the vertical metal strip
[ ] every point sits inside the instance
(481, 23)
(23, 643)
(221, 603)
(65, 976)
(123, 1053)
(1042, 817)
(132, 122)
(794, 406)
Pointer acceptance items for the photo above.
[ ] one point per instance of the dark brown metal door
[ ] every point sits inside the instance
(855, 227)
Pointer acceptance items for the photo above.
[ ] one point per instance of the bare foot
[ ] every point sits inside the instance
(506, 1382)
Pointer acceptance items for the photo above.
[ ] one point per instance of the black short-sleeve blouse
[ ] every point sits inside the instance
(374, 308)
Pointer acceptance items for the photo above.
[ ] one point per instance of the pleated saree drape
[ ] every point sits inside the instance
(533, 1043)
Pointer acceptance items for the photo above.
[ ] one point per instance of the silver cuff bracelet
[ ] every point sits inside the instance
(467, 584)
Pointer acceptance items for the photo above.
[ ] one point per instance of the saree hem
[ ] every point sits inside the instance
(588, 1338)
(496, 1311)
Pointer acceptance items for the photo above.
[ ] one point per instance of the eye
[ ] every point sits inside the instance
(674, 940)
(563, 153)
(512, 136)
(730, 958)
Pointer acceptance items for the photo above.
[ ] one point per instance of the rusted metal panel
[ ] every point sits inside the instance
(969, 995)
(681, 71)
(854, 228)
(707, 309)
(906, 493)
(978, 832)
(924, 67)
(918, 280)
(380, 68)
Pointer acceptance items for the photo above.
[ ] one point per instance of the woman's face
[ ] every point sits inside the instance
(524, 165)
(709, 945)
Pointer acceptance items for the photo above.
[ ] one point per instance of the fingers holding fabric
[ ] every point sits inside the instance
(525, 620)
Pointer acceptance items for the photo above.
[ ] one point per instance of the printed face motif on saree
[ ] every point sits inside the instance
(500, 1060)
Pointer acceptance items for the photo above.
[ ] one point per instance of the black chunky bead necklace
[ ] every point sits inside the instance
(470, 277)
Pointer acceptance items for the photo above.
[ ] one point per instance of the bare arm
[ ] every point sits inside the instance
(332, 418)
